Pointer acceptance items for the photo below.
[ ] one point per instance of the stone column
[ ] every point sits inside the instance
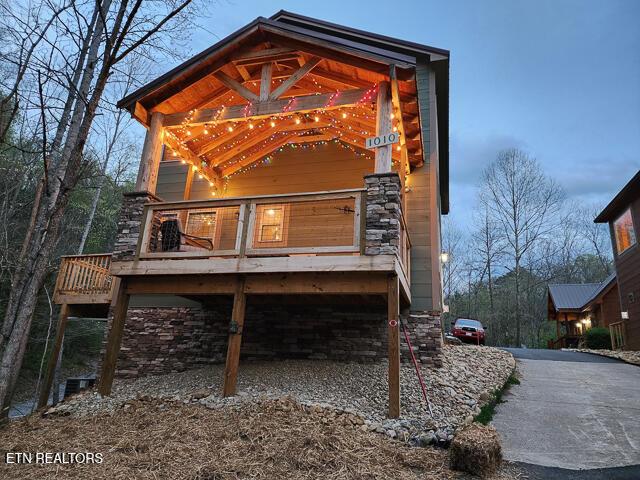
(383, 214)
(130, 225)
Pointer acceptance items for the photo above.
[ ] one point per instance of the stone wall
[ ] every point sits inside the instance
(130, 225)
(425, 335)
(382, 236)
(169, 339)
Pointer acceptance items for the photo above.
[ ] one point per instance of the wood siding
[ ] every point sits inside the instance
(628, 273)
(422, 208)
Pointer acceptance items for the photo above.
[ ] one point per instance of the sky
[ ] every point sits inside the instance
(559, 79)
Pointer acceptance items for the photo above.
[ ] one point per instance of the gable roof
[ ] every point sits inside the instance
(629, 193)
(366, 50)
(578, 296)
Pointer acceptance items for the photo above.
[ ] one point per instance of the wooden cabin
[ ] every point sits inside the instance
(623, 216)
(287, 204)
(575, 308)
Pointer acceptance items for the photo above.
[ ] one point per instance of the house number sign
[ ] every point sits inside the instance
(382, 140)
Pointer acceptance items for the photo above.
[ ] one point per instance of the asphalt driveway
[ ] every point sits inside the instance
(572, 411)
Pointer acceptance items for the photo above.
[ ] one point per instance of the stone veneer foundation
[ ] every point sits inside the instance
(160, 340)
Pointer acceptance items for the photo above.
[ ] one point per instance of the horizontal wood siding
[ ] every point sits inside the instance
(628, 273)
(418, 207)
(296, 170)
(610, 308)
(172, 177)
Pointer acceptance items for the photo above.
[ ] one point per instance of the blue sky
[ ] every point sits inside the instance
(557, 78)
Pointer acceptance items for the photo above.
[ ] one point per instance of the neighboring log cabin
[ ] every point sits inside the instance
(261, 227)
(577, 307)
(623, 216)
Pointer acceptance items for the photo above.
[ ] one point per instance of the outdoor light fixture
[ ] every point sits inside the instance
(444, 257)
(194, 168)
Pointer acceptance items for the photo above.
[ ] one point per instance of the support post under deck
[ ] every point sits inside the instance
(235, 339)
(53, 359)
(114, 339)
(393, 314)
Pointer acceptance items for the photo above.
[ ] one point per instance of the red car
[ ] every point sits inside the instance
(470, 331)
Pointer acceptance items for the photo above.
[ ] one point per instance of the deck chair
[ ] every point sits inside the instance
(175, 240)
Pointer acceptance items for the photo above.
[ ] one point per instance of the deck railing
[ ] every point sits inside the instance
(405, 248)
(617, 335)
(84, 275)
(315, 223)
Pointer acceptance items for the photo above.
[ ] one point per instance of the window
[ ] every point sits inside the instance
(201, 223)
(623, 231)
(271, 224)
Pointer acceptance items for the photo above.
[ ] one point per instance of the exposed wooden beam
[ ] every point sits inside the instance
(397, 106)
(151, 155)
(222, 139)
(294, 105)
(294, 78)
(265, 56)
(258, 155)
(383, 127)
(313, 138)
(236, 86)
(188, 155)
(265, 81)
(263, 134)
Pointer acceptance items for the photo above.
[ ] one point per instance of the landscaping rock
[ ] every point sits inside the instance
(476, 450)
(359, 392)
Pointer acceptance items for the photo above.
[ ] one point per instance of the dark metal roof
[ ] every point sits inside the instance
(571, 296)
(577, 296)
(361, 36)
(629, 193)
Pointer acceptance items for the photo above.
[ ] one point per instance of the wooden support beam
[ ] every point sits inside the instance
(114, 339)
(383, 127)
(188, 155)
(397, 112)
(393, 317)
(294, 105)
(265, 81)
(236, 86)
(188, 183)
(235, 340)
(53, 358)
(258, 155)
(151, 155)
(261, 135)
(294, 78)
(265, 56)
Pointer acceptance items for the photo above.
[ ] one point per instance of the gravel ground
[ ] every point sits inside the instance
(628, 356)
(456, 391)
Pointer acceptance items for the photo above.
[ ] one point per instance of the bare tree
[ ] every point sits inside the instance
(69, 76)
(523, 201)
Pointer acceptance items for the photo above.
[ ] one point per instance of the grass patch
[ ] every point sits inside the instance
(489, 409)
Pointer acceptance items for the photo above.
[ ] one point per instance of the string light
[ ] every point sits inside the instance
(250, 126)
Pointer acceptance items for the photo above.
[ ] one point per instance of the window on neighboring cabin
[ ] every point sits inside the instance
(624, 232)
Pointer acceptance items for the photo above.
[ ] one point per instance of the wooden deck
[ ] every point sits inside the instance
(314, 242)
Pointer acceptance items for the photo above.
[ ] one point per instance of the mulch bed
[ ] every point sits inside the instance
(276, 439)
